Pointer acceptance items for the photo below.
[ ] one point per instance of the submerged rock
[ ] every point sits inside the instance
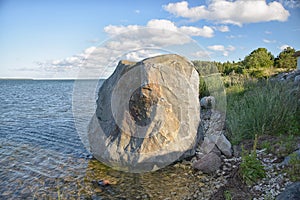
(147, 114)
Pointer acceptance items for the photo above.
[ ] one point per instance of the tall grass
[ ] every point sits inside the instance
(260, 108)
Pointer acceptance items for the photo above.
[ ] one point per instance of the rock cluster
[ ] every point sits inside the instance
(214, 142)
(292, 76)
(147, 114)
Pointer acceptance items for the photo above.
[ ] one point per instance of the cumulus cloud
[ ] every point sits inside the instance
(115, 30)
(216, 47)
(131, 42)
(221, 48)
(236, 12)
(206, 31)
(162, 24)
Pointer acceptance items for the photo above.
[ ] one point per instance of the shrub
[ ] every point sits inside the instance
(251, 168)
(257, 73)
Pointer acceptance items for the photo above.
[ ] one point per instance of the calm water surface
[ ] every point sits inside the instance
(43, 157)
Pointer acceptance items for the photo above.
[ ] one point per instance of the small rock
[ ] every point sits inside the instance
(103, 183)
(224, 145)
(207, 145)
(208, 102)
(209, 163)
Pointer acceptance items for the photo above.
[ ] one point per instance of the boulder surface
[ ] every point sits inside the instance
(147, 114)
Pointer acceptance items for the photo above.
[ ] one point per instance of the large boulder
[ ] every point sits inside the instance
(147, 114)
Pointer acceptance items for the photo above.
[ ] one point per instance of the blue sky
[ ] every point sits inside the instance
(59, 39)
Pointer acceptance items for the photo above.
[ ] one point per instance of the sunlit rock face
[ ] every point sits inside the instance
(147, 114)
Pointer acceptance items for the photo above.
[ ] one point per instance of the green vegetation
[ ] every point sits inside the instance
(286, 145)
(286, 59)
(261, 107)
(268, 197)
(281, 146)
(258, 64)
(251, 168)
(259, 58)
(254, 105)
(293, 167)
(267, 145)
(257, 106)
(227, 195)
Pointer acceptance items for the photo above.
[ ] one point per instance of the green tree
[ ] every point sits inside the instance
(259, 58)
(286, 59)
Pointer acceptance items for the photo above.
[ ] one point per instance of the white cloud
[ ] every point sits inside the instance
(222, 28)
(221, 48)
(230, 48)
(206, 31)
(137, 11)
(235, 36)
(140, 54)
(269, 41)
(133, 42)
(231, 12)
(116, 30)
(202, 54)
(162, 24)
(291, 3)
(268, 32)
(283, 47)
(181, 9)
(216, 47)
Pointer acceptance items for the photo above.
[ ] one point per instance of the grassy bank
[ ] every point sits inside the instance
(255, 105)
(261, 106)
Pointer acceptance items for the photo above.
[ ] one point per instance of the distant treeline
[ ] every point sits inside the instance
(255, 64)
